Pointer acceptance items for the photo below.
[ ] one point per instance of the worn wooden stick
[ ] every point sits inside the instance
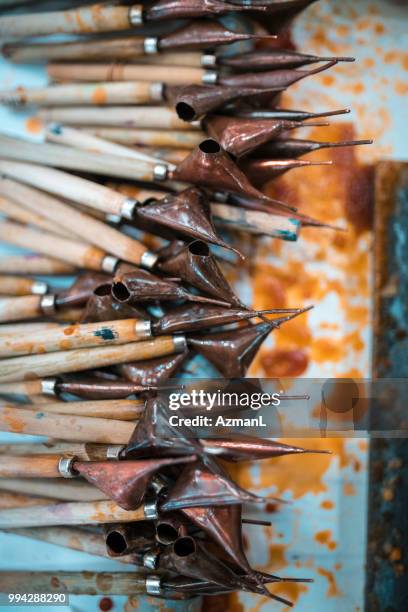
(75, 188)
(84, 226)
(75, 583)
(156, 118)
(18, 500)
(71, 513)
(17, 285)
(58, 489)
(193, 59)
(70, 337)
(15, 212)
(73, 252)
(154, 138)
(64, 427)
(50, 154)
(121, 410)
(41, 466)
(20, 308)
(170, 75)
(50, 364)
(94, 94)
(34, 264)
(94, 18)
(83, 451)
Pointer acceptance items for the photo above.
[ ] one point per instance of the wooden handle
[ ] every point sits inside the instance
(171, 75)
(98, 94)
(74, 513)
(84, 226)
(75, 583)
(96, 18)
(42, 466)
(18, 500)
(34, 264)
(75, 253)
(121, 410)
(118, 48)
(66, 185)
(83, 451)
(65, 427)
(67, 490)
(17, 285)
(51, 364)
(120, 116)
(193, 59)
(171, 138)
(25, 216)
(19, 308)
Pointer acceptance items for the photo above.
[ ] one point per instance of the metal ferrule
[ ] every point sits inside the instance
(220, 196)
(39, 288)
(210, 77)
(160, 172)
(180, 343)
(151, 45)
(66, 467)
(157, 92)
(114, 452)
(208, 60)
(150, 559)
(47, 304)
(48, 386)
(136, 15)
(153, 585)
(148, 260)
(158, 484)
(109, 264)
(143, 329)
(150, 510)
(128, 208)
(113, 219)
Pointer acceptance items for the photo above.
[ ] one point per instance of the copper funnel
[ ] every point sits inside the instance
(271, 206)
(102, 307)
(196, 266)
(152, 371)
(124, 482)
(142, 286)
(186, 213)
(190, 9)
(95, 389)
(293, 147)
(209, 166)
(195, 317)
(260, 171)
(279, 79)
(127, 538)
(290, 115)
(240, 136)
(248, 448)
(194, 101)
(172, 248)
(201, 35)
(81, 290)
(273, 59)
(170, 527)
(198, 486)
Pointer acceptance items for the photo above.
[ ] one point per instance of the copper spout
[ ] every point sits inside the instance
(81, 290)
(101, 307)
(141, 286)
(152, 371)
(124, 482)
(260, 171)
(95, 389)
(187, 213)
(196, 266)
(293, 147)
(240, 136)
(201, 35)
(290, 115)
(248, 448)
(124, 539)
(273, 59)
(191, 9)
(279, 79)
(232, 352)
(195, 317)
(208, 165)
(170, 527)
(194, 101)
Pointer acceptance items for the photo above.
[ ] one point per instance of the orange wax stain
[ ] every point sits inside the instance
(325, 539)
(401, 88)
(327, 349)
(33, 125)
(328, 80)
(333, 590)
(379, 28)
(280, 362)
(326, 504)
(358, 88)
(234, 605)
(99, 96)
(349, 489)
(14, 424)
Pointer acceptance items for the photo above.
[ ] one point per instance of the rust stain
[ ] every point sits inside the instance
(328, 349)
(324, 538)
(401, 88)
(326, 504)
(349, 489)
(284, 363)
(333, 590)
